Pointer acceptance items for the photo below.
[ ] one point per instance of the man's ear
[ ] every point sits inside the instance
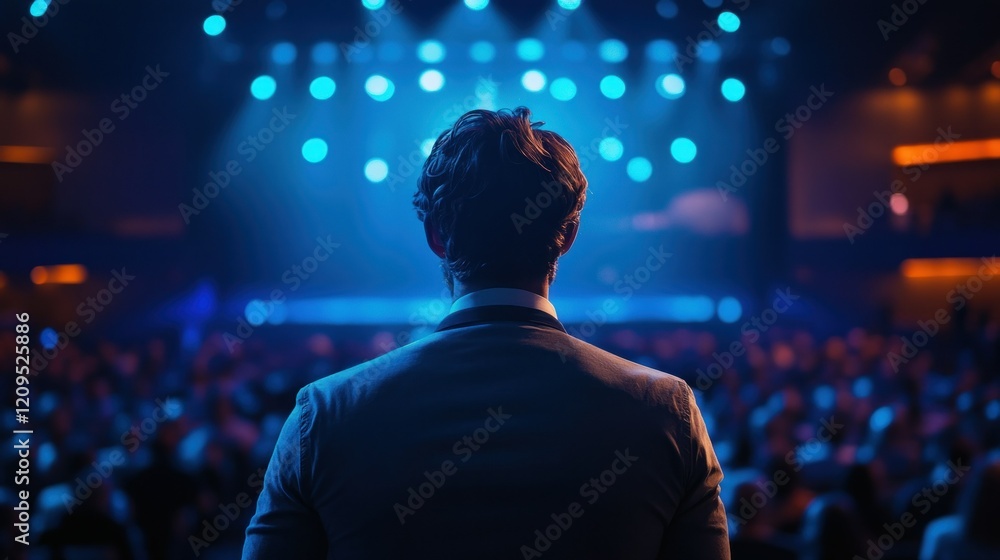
(433, 239)
(572, 229)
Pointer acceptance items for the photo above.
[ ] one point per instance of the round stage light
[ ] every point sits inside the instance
(379, 87)
(322, 87)
(639, 169)
(667, 9)
(729, 310)
(263, 87)
(728, 21)
(373, 4)
(376, 170)
(431, 80)
(214, 25)
(661, 50)
(530, 49)
(670, 86)
(780, 46)
(611, 149)
(733, 89)
(683, 150)
(430, 51)
(482, 51)
(314, 150)
(563, 89)
(324, 52)
(713, 3)
(569, 4)
(477, 4)
(283, 53)
(39, 7)
(612, 50)
(533, 80)
(612, 87)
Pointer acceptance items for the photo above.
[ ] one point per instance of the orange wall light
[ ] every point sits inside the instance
(59, 274)
(969, 150)
(936, 268)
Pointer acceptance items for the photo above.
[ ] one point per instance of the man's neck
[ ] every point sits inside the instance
(540, 287)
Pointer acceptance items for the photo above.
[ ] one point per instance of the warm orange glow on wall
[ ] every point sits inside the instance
(935, 268)
(969, 150)
(59, 274)
(897, 77)
(995, 69)
(26, 154)
(3, 280)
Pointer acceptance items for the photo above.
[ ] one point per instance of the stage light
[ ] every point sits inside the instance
(897, 77)
(709, 51)
(477, 4)
(48, 338)
(256, 312)
(612, 50)
(670, 86)
(322, 88)
(431, 80)
(59, 274)
(283, 53)
(612, 87)
(683, 150)
(639, 169)
(263, 87)
(39, 7)
(533, 80)
(661, 50)
(373, 4)
(379, 87)
(482, 51)
(733, 89)
(214, 25)
(426, 146)
(376, 170)
(713, 3)
(728, 21)
(563, 89)
(569, 4)
(729, 310)
(314, 150)
(430, 51)
(611, 149)
(324, 52)
(667, 9)
(530, 49)
(780, 46)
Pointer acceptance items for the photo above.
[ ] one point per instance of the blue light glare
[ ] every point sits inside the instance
(780, 46)
(683, 150)
(48, 338)
(373, 4)
(322, 87)
(376, 170)
(611, 149)
(263, 87)
(38, 8)
(733, 89)
(430, 51)
(563, 89)
(612, 50)
(283, 53)
(569, 4)
(881, 419)
(639, 169)
(667, 9)
(213, 25)
(709, 51)
(426, 146)
(530, 49)
(533, 80)
(661, 50)
(482, 51)
(713, 3)
(729, 310)
(379, 87)
(431, 80)
(256, 311)
(324, 52)
(314, 150)
(612, 87)
(728, 21)
(862, 387)
(670, 86)
(477, 4)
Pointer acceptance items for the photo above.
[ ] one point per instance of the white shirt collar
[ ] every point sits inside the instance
(504, 296)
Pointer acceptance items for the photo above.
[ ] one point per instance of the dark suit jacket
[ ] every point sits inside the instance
(498, 436)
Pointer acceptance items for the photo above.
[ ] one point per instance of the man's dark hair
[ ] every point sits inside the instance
(500, 194)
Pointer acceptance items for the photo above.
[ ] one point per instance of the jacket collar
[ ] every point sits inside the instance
(498, 313)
